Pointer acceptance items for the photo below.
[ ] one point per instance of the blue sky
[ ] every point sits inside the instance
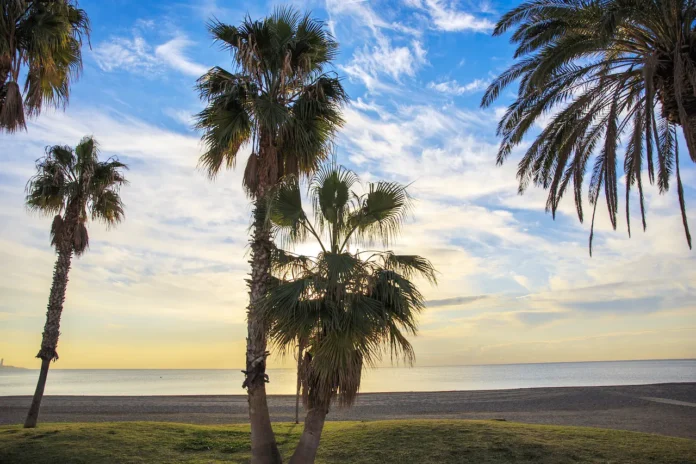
(166, 289)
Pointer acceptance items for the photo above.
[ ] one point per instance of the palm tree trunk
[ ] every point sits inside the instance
(33, 415)
(299, 383)
(51, 332)
(690, 129)
(264, 449)
(306, 450)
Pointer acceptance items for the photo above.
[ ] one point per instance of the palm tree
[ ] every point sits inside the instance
(608, 68)
(40, 41)
(74, 186)
(282, 103)
(347, 308)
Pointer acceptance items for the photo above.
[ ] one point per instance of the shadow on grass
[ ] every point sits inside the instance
(382, 442)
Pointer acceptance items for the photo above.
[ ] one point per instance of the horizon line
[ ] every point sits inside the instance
(380, 367)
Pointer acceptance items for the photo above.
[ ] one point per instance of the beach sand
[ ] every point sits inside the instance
(667, 409)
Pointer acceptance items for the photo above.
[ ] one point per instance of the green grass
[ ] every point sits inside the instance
(383, 442)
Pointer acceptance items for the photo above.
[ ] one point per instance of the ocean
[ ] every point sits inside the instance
(144, 382)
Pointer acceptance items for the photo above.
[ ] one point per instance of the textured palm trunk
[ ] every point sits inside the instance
(306, 450)
(317, 401)
(49, 342)
(690, 128)
(264, 449)
(670, 109)
(33, 415)
(299, 383)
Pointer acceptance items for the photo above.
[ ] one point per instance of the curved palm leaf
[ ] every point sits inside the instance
(382, 212)
(609, 68)
(285, 211)
(41, 42)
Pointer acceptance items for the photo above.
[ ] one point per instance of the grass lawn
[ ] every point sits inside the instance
(383, 442)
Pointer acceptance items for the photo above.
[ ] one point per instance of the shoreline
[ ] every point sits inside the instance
(667, 409)
(380, 367)
(363, 394)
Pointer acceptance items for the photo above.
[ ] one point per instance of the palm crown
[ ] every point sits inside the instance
(75, 183)
(41, 40)
(280, 99)
(610, 68)
(345, 307)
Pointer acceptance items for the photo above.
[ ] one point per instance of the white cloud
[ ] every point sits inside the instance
(133, 55)
(365, 16)
(455, 88)
(207, 9)
(446, 17)
(172, 53)
(138, 56)
(383, 57)
(369, 63)
(184, 117)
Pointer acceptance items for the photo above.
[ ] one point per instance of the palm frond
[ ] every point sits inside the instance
(289, 265)
(410, 265)
(382, 212)
(349, 311)
(330, 188)
(278, 99)
(56, 230)
(80, 239)
(108, 208)
(601, 67)
(286, 213)
(74, 186)
(42, 43)
(226, 122)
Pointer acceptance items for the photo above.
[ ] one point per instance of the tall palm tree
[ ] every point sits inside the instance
(609, 68)
(40, 42)
(347, 308)
(280, 101)
(76, 187)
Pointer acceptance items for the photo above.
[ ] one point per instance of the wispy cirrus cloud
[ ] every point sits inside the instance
(366, 16)
(369, 64)
(137, 55)
(455, 88)
(133, 55)
(173, 54)
(394, 49)
(446, 17)
(458, 300)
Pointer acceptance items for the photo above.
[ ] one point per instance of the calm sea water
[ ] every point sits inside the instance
(216, 382)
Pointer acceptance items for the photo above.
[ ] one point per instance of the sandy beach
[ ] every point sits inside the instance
(667, 409)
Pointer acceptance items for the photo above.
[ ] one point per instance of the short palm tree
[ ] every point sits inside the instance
(75, 187)
(280, 101)
(40, 42)
(610, 68)
(346, 308)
